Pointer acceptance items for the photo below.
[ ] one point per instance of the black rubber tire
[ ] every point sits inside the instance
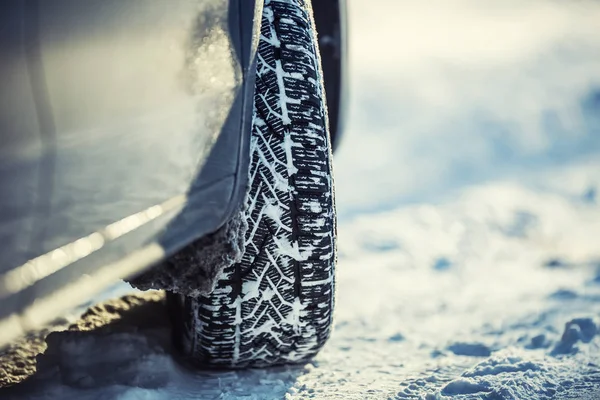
(275, 306)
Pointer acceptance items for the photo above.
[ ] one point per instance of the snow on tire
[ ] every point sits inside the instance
(275, 305)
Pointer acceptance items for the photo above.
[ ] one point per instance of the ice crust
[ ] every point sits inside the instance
(194, 270)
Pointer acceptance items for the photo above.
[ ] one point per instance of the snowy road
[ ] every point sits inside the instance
(493, 295)
(469, 264)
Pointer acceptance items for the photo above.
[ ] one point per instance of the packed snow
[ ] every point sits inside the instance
(469, 264)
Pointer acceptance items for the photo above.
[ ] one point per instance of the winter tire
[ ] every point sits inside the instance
(275, 305)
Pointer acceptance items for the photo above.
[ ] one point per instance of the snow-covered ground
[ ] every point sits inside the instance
(469, 263)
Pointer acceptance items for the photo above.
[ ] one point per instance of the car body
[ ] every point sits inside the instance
(124, 132)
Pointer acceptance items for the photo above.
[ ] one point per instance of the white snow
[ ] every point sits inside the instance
(469, 224)
(292, 250)
(473, 298)
(250, 290)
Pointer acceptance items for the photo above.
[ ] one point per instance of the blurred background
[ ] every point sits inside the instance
(448, 93)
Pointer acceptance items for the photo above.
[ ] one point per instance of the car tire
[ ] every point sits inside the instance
(275, 305)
